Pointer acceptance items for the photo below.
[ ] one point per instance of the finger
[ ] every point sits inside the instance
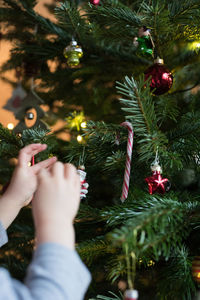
(43, 174)
(57, 169)
(70, 170)
(44, 164)
(28, 152)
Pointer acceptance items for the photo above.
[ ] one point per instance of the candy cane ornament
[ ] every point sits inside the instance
(128, 161)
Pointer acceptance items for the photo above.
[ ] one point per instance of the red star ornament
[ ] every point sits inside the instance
(156, 183)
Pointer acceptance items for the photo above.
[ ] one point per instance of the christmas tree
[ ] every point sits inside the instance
(108, 62)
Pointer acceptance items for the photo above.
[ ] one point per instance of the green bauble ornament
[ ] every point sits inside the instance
(73, 53)
(73, 59)
(144, 47)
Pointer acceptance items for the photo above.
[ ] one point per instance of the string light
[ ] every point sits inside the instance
(10, 126)
(79, 138)
(83, 125)
(151, 263)
(194, 45)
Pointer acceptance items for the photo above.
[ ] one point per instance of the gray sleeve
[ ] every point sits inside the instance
(3, 235)
(54, 273)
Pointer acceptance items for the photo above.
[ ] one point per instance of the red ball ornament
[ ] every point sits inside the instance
(161, 77)
(95, 2)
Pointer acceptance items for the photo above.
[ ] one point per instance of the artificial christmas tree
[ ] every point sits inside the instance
(118, 240)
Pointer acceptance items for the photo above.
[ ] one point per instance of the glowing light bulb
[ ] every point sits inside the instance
(83, 125)
(194, 45)
(10, 126)
(198, 275)
(79, 138)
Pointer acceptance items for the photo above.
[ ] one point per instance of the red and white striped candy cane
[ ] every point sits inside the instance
(128, 160)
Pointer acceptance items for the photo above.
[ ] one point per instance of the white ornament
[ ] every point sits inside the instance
(84, 184)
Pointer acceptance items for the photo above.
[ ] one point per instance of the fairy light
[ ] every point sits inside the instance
(83, 125)
(79, 138)
(10, 126)
(194, 45)
(151, 263)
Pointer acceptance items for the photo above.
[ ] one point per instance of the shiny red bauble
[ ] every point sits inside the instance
(161, 78)
(95, 2)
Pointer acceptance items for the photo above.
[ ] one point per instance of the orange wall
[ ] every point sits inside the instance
(5, 88)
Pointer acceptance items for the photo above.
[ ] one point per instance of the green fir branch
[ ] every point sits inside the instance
(160, 225)
(138, 103)
(90, 250)
(101, 297)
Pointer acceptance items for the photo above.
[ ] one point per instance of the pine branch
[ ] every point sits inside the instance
(90, 250)
(111, 16)
(36, 135)
(179, 277)
(101, 297)
(141, 113)
(147, 230)
(70, 20)
(9, 137)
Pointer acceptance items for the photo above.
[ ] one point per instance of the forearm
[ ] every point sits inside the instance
(9, 209)
(60, 232)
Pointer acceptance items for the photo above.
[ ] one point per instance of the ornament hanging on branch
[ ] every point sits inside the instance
(30, 113)
(144, 42)
(95, 2)
(73, 53)
(84, 184)
(131, 295)
(156, 183)
(161, 77)
(127, 171)
(14, 103)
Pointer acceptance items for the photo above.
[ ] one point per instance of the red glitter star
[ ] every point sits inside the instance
(156, 183)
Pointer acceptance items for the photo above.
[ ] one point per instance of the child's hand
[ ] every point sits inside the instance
(24, 180)
(23, 183)
(56, 203)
